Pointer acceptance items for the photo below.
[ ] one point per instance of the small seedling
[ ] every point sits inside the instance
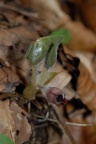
(45, 49)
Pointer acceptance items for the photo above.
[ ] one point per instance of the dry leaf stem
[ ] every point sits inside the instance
(16, 9)
(63, 122)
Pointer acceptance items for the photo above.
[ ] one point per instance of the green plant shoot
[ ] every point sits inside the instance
(66, 34)
(44, 48)
(40, 49)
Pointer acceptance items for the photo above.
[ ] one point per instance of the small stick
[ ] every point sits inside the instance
(56, 121)
(25, 13)
(63, 122)
(78, 124)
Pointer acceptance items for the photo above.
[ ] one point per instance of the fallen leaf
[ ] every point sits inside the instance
(7, 125)
(23, 128)
(50, 11)
(87, 11)
(86, 88)
(9, 37)
(8, 79)
(82, 39)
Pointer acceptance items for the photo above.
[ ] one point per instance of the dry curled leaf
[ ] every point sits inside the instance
(23, 128)
(9, 37)
(8, 79)
(60, 80)
(88, 59)
(87, 11)
(50, 12)
(86, 88)
(25, 2)
(13, 123)
(86, 84)
(83, 39)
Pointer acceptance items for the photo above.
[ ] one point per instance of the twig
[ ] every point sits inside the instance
(49, 119)
(40, 126)
(78, 124)
(56, 121)
(25, 13)
(63, 122)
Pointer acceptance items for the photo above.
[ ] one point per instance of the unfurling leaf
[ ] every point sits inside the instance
(50, 76)
(64, 32)
(51, 57)
(39, 49)
(5, 140)
(36, 52)
(45, 77)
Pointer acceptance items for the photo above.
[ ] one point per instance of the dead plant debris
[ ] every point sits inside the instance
(27, 121)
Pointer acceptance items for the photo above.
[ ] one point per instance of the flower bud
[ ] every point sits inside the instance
(55, 95)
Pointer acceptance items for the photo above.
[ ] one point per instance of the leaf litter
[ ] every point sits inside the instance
(35, 121)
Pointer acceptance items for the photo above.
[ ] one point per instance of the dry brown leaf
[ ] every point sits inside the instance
(82, 39)
(86, 85)
(88, 59)
(60, 80)
(62, 77)
(87, 12)
(26, 3)
(23, 128)
(77, 133)
(12, 49)
(24, 71)
(13, 123)
(69, 92)
(8, 79)
(9, 37)
(7, 125)
(54, 17)
(86, 88)
(83, 134)
(3, 53)
(65, 139)
(50, 12)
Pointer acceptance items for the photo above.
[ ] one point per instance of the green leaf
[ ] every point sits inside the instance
(5, 140)
(39, 49)
(29, 51)
(51, 57)
(50, 76)
(56, 40)
(64, 32)
(36, 52)
(52, 42)
(46, 76)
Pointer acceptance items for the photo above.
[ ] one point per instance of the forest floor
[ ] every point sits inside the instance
(35, 121)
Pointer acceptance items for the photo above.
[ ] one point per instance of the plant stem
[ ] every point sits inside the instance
(34, 75)
(30, 91)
